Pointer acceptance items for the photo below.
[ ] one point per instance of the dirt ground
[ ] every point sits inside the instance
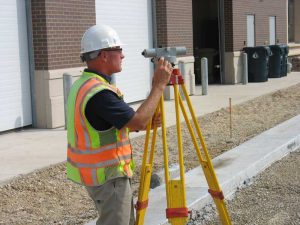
(273, 198)
(46, 197)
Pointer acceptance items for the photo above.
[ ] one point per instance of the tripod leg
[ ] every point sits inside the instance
(165, 146)
(142, 202)
(207, 166)
(145, 179)
(192, 133)
(177, 212)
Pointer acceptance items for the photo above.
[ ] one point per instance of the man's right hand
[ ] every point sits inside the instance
(144, 113)
(162, 73)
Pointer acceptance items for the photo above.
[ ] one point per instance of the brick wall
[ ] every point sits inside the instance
(39, 33)
(262, 9)
(57, 30)
(161, 23)
(175, 24)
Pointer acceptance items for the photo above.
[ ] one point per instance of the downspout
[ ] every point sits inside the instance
(31, 61)
(154, 33)
(154, 25)
(222, 40)
(287, 20)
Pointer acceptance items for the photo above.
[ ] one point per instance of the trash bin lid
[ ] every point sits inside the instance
(276, 49)
(285, 48)
(258, 51)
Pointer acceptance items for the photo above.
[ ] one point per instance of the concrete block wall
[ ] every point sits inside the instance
(233, 69)
(57, 30)
(186, 65)
(49, 98)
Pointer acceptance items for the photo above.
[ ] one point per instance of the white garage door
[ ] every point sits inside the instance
(15, 102)
(133, 22)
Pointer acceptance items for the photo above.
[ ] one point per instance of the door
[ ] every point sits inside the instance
(133, 22)
(250, 31)
(15, 102)
(272, 30)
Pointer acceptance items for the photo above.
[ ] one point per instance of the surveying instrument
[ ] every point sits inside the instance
(176, 212)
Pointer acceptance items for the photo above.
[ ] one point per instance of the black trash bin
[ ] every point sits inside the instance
(285, 50)
(276, 61)
(258, 63)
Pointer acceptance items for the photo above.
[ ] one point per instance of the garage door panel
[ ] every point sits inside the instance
(14, 77)
(133, 22)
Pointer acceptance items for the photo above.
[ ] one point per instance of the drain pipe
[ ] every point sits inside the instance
(31, 62)
(154, 32)
(154, 25)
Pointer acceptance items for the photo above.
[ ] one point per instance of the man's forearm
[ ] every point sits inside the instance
(145, 112)
(147, 109)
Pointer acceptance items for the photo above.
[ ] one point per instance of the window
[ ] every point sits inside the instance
(272, 30)
(250, 31)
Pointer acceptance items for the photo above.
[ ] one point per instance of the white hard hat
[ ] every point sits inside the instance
(99, 37)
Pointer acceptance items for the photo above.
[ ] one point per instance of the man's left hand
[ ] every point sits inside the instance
(156, 120)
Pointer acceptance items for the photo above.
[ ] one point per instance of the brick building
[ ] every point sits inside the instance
(41, 41)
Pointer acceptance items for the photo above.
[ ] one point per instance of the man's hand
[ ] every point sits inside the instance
(162, 73)
(144, 113)
(156, 120)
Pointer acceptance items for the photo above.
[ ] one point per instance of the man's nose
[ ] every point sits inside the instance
(122, 56)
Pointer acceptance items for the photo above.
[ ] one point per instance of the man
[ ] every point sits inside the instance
(99, 151)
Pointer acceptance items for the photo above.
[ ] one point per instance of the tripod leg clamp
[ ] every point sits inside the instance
(177, 212)
(216, 194)
(141, 205)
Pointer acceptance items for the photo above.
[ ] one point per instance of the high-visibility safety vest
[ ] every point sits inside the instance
(94, 156)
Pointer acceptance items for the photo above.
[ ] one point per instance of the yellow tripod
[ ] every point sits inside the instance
(177, 212)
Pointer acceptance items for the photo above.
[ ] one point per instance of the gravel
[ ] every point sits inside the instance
(46, 197)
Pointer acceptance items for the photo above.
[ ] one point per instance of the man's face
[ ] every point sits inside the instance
(114, 59)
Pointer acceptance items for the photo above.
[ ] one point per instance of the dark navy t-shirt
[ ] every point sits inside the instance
(105, 109)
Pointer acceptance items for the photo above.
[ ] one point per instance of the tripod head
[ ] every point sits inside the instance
(169, 53)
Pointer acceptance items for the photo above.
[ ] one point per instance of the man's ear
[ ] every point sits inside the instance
(103, 56)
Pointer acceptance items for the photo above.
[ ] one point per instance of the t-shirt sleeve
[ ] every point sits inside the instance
(105, 109)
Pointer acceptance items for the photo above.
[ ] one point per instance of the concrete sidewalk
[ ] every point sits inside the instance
(25, 151)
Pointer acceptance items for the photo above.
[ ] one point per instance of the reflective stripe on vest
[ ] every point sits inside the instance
(94, 157)
(120, 152)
